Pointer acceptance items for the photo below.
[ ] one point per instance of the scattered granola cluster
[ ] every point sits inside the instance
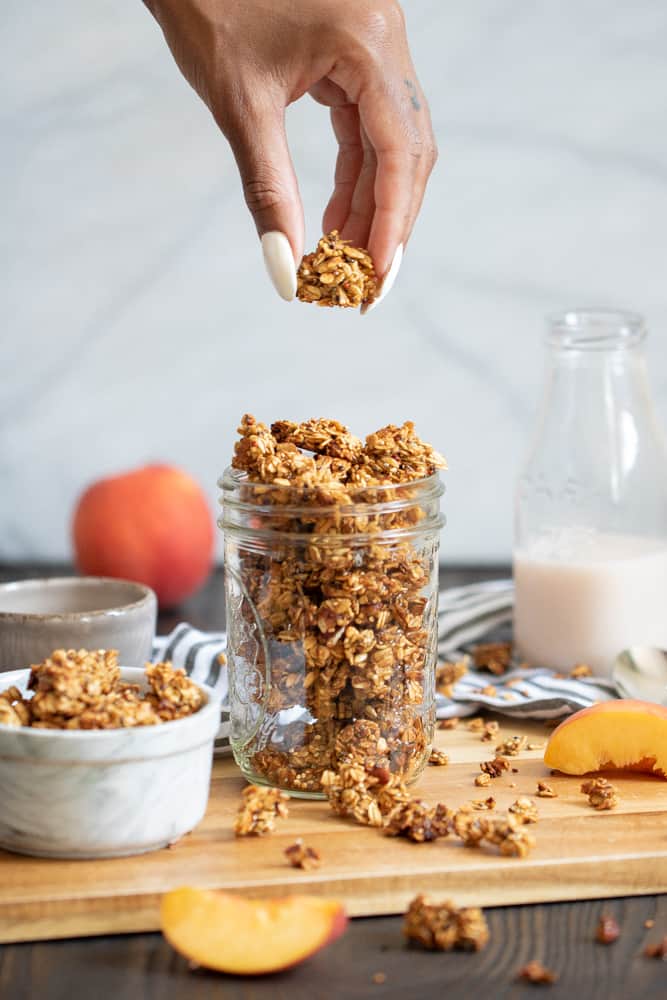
(82, 689)
(438, 757)
(258, 811)
(496, 657)
(601, 793)
(512, 746)
(336, 274)
(494, 768)
(443, 926)
(448, 673)
(343, 612)
(507, 834)
(546, 791)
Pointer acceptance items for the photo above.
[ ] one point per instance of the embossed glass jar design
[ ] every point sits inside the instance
(332, 627)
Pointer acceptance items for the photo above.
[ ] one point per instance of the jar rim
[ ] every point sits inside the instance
(595, 329)
(392, 495)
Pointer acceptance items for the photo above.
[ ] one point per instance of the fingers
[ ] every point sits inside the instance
(362, 208)
(398, 148)
(345, 122)
(259, 142)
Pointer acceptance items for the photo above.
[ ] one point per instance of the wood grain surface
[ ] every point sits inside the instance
(580, 853)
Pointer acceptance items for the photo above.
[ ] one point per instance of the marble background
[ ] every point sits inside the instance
(137, 323)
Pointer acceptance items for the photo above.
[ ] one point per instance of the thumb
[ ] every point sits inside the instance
(259, 144)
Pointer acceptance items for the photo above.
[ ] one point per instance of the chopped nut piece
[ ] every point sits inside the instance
(581, 670)
(490, 732)
(336, 274)
(658, 950)
(525, 810)
(379, 978)
(494, 768)
(418, 821)
(545, 791)
(438, 757)
(601, 793)
(442, 926)
(607, 930)
(449, 723)
(649, 923)
(258, 810)
(447, 674)
(535, 972)
(512, 746)
(495, 657)
(301, 856)
(483, 779)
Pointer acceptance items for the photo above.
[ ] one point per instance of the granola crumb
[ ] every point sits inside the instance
(483, 804)
(649, 923)
(336, 274)
(300, 855)
(438, 757)
(449, 723)
(490, 690)
(443, 926)
(657, 950)
(580, 670)
(490, 731)
(601, 793)
(545, 790)
(512, 746)
(607, 930)
(496, 657)
(525, 810)
(536, 973)
(483, 779)
(258, 810)
(379, 978)
(448, 673)
(535, 746)
(476, 724)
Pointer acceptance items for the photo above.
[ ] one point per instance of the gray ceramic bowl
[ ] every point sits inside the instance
(80, 612)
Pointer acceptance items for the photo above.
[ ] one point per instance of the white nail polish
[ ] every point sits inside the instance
(279, 262)
(389, 279)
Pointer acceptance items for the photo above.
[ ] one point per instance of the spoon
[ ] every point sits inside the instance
(641, 672)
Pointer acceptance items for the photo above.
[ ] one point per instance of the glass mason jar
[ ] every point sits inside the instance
(331, 627)
(590, 559)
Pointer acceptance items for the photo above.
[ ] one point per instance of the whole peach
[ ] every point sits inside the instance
(153, 525)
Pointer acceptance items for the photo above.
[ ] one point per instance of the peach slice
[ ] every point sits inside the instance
(248, 937)
(624, 734)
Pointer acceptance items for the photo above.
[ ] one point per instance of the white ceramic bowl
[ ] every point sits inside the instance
(104, 793)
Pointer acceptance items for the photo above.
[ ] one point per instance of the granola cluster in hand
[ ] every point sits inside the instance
(342, 607)
(336, 274)
(82, 689)
(443, 926)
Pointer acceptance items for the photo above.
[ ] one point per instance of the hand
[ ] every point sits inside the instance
(249, 59)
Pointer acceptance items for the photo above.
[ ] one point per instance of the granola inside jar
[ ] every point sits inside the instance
(331, 563)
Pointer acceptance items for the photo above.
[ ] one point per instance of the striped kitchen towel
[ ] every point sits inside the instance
(479, 612)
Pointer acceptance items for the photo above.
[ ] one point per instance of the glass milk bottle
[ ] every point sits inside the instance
(590, 558)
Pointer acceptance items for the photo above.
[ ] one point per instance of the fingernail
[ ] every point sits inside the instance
(389, 279)
(279, 262)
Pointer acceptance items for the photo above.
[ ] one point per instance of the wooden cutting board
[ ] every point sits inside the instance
(580, 854)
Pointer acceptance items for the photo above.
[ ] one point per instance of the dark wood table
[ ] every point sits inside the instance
(561, 935)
